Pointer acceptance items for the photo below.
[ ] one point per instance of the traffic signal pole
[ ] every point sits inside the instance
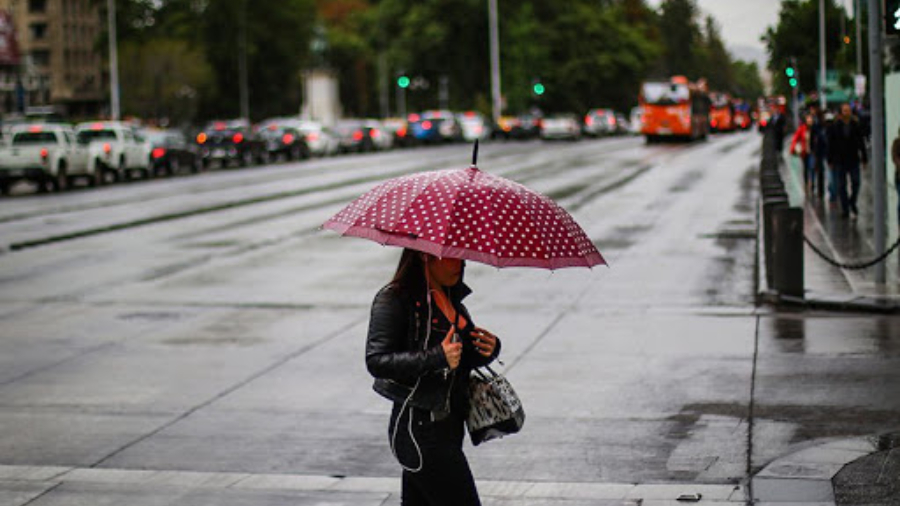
(495, 60)
(876, 100)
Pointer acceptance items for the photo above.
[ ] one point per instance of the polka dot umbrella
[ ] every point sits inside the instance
(472, 215)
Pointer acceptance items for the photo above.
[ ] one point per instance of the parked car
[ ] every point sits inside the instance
(170, 152)
(508, 127)
(432, 127)
(474, 126)
(231, 141)
(284, 139)
(622, 125)
(399, 129)
(531, 125)
(561, 126)
(321, 140)
(382, 139)
(47, 155)
(114, 149)
(354, 136)
(636, 121)
(600, 122)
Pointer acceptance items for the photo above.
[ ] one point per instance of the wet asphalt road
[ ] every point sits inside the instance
(205, 324)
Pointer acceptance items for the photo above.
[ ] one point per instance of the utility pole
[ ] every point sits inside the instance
(857, 13)
(114, 107)
(242, 63)
(876, 101)
(822, 100)
(495, 60)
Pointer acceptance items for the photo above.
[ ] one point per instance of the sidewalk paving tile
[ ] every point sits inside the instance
(722, 493)
(504, 488)
(783, 490)
(32, 473)
(17, 493)
(287, 482)
(580, 490)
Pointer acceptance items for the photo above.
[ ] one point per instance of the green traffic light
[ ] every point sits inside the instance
(790, 71)
(538, 89)
(403, 81)
(793, 83)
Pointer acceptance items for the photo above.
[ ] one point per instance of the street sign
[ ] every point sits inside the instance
(859, 85)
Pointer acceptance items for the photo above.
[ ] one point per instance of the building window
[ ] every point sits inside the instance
(41, 58)
(38, 31)
(36, 6)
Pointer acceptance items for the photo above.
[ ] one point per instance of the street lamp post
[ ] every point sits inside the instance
(495, 59)
(876, 101)
(822, 100)
(113, 62)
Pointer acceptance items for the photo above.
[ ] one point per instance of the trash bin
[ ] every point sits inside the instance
(788, 250)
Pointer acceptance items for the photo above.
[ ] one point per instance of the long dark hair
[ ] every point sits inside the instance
(410, 274)
(410, 270)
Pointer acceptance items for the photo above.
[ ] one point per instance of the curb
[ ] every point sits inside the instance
(807, 475)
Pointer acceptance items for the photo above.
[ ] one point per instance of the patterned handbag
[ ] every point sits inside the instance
(495, 409)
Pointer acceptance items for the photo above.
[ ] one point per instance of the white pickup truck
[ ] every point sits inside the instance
(114, 149)
(47, 154)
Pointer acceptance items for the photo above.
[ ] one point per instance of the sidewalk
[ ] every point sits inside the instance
(846, 241)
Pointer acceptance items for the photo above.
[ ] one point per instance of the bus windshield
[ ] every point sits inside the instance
(665, 93)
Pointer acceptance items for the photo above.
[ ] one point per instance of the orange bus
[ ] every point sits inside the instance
(721, 113)
(675, 108)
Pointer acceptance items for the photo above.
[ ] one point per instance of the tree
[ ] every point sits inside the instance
(682, 39)
(163, 78)
(796, 36)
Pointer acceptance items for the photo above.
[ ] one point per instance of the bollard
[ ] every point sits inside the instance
(770, 204)
(788, 251)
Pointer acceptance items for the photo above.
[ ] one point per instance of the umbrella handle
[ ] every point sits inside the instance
(475, 154)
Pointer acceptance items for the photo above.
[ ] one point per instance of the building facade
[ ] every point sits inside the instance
(60, 63)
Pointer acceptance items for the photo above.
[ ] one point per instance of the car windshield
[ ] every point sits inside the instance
(93, 135)
(665, 93)
(33, 138)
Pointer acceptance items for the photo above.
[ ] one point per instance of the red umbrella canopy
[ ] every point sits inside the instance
(472, 215)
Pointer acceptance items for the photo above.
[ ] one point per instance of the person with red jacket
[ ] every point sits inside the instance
(801, 145)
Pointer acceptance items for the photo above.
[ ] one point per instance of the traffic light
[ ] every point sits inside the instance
(791, 73)
(538, 88)
(403, 81)
(892, 17)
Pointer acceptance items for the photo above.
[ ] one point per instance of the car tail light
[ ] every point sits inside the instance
(107, 148)
(401, 132)
(374, 133)
(44, 153)
(220, 126)
(313, 137)
(611, 120)
(201, 138)
(357, 135)
(159, 152)
(412, 117)
(97, 126)
(714, 123)
(588, 120)
(35, 129)
(287, 139)
(426, 125)
(238, 138)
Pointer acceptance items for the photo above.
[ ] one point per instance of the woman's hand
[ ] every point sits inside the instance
(452, 351)
(484, 341)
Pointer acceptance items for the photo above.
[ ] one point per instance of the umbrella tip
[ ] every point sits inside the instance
(475, 154)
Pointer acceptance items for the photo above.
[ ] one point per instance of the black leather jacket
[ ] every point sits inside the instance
(398, 356)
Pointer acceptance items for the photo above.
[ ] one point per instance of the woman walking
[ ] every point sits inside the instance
(801, 145)
(421, 347)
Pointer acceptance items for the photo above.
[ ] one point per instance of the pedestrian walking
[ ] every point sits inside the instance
(801, 146)
(846, 150)
(895, 157)
(421, 347)
(819, 141)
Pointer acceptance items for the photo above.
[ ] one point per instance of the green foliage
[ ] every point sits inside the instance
(585, 53)
(162, 79)
(796, 35)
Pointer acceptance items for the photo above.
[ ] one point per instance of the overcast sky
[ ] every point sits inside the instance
(742, 22)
